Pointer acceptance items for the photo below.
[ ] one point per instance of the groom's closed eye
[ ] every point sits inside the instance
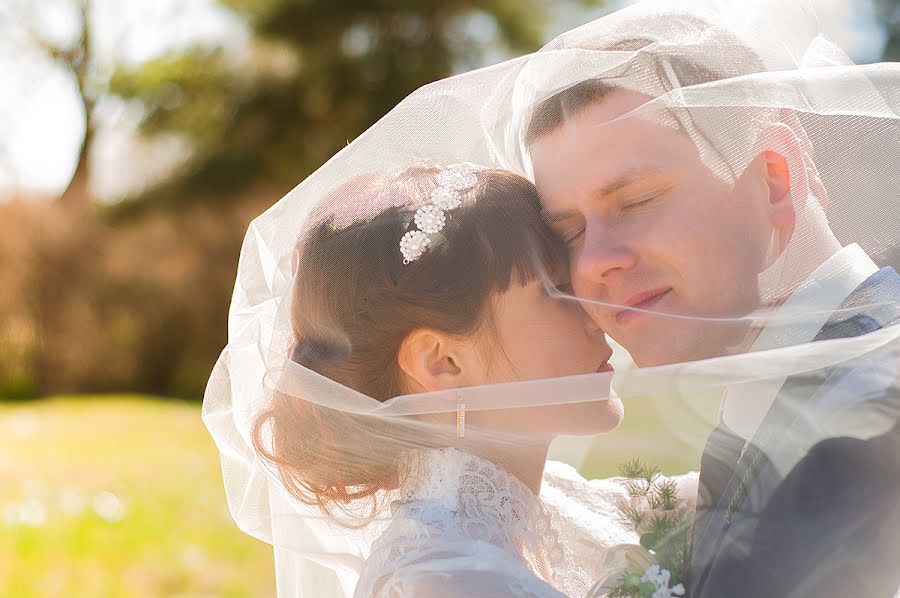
(642, 199)
(638, 203)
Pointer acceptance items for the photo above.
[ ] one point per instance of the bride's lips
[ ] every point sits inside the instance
(645, 301)
(606, 367)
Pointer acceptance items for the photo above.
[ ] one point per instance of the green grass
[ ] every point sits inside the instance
(668, 432)
(175, 536)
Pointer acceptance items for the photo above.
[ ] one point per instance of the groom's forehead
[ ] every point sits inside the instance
(623, 113)
(612, 147)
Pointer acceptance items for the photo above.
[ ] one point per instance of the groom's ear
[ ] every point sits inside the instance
(784, 174)
(431, 360)
(777, 175)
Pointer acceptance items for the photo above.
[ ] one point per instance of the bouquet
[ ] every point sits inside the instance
(658, 567)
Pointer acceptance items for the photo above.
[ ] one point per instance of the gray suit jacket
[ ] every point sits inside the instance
(856, 399)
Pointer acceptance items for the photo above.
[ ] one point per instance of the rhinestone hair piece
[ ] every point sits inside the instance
(430, 219)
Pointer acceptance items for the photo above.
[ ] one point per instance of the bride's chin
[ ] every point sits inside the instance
(594, 417)
(615, 411)
(610, 413)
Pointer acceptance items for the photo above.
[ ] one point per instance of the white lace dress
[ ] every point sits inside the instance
(465, 526)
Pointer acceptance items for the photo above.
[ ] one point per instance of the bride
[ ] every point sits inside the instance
(442, 285)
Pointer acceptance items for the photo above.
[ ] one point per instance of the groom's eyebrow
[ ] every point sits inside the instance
(627, 178)
(622, 181)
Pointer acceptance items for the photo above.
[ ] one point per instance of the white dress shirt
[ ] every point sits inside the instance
(796, 321)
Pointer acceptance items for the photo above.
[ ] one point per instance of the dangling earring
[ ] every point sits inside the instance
(460, 416)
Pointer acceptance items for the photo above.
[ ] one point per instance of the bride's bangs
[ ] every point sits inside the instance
(515, 244)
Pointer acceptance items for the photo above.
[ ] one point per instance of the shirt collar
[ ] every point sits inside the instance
(802, 316)
(796, 321)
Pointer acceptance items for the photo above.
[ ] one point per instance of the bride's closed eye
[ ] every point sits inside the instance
(564, 287)
(570, 235)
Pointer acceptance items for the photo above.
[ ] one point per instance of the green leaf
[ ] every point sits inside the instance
(648, 540)
(633, 469)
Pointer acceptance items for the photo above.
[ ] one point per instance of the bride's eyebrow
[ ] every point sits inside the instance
(552, 218)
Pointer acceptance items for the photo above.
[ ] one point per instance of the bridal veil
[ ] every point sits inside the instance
(733, 81)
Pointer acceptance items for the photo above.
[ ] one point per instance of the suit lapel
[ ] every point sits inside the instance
(718, 465)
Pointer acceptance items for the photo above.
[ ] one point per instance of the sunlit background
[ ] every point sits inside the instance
(138, 138)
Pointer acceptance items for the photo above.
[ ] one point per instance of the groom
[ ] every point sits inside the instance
(800, 481)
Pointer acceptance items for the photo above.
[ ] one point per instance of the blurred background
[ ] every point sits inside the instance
(138, 138)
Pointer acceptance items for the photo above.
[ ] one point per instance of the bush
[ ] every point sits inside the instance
(94, 305)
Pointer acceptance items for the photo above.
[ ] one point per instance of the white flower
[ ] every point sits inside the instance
(109, 507)
(651, 573)
(458, 177)
(32, 512)
(430, 219)
(664, 577)
(413, 245)
(660, 579)
(445, 198)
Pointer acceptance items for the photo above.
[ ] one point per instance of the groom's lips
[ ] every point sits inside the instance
(644, 300)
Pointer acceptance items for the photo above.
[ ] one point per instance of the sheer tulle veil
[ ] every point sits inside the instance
(742, 87)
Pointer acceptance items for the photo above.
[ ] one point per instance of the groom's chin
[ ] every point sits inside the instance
(664, 347)
(669, 349)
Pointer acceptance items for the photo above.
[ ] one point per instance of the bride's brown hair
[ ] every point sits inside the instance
(354, 301)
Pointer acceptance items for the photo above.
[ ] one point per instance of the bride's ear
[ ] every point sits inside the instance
(432, 360)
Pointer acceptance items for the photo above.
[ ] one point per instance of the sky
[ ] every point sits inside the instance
(41, 122)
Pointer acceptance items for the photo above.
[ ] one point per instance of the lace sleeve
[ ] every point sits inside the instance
(466, 584)
(442, 569)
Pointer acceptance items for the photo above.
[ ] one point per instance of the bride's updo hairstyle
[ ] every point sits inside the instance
(355, 300)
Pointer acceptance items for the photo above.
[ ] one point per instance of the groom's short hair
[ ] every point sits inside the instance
(734, 59)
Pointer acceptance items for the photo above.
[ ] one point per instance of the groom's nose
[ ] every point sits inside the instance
(603, 259)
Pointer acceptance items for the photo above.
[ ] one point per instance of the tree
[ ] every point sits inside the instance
(888, 12)
(136, 296)
(316, 74)
(22, 24)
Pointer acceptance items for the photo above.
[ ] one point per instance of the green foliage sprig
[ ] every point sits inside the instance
(660, 565)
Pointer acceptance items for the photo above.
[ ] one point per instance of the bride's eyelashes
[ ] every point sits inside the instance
(570, 236)
(565, 288)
